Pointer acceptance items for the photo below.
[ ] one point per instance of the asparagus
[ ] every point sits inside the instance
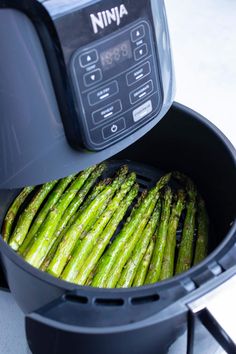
(89, 280)
(52, 200)
(143, 266)
(41, 241)
(12, 211)
(125, 254)
(202, 233)
(78, 200)
(157, 256)
(70, 210)
(25, 219)
(98, 188)
(185, 253)
(167, 269)
(107, 261)
(73, 234)
(87, 271)
(129, 271)
(82, 251)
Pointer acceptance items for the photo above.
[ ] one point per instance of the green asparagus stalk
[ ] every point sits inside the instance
(52, 200)
(79, 198)
(70, 210)
(157, 256)
(12, 211)
(202, 233)
(98, 188)
(90, 278)
(82, 251)
(126, 253)
(73, 234)
(41, 241)
(108, 259)
(88, 270)
(185, 253)
(105, 238)
(167, 269)
(106, 262)
(25, 219)
(104, 241)
(143, 266)
(130, 269)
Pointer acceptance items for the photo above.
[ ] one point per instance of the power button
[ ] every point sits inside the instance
(113, 128)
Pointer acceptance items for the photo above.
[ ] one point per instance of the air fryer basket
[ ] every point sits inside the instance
(62, 316)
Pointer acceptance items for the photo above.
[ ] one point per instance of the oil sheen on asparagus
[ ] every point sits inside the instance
(101, 229)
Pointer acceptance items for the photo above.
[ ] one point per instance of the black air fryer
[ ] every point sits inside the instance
(87, 80)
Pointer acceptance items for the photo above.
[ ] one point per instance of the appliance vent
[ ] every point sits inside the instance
(109, 302)
(76, 298)
(145, 299)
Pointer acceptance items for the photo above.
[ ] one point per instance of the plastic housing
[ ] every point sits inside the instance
(63, 317)
(35, 96)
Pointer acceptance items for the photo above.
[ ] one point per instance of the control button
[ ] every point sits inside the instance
(142, 111)
(113, 129)
(140, 52)
(108, 111)
(138, 73)
(138, 33)
(88, 58)
(92, 77)
(141, 92)
(103, 93)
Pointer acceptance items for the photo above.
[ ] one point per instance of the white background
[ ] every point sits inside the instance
(203, 37)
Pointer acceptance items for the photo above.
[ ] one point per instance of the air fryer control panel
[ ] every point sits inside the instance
(111, 55)
(116, 83)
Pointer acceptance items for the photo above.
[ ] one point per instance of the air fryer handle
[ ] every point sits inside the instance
(216, 310)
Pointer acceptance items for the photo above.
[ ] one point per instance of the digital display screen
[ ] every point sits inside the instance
(116, 55)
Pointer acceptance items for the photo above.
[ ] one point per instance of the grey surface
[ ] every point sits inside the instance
(203, 36)
(12, 336)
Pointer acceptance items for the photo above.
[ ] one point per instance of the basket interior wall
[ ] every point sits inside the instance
(180, 142)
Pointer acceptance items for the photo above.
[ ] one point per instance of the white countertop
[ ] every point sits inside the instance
(203, 37)
(203, 34)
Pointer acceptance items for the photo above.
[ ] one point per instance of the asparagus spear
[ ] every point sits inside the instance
(129, 271)
(98, 188)
(143, 266)
(105, 238)
(202, 233)
(52, 200)
(69, 241)
(82, 251)
(106, 262)
(78, 200)
(87, 271)
(157, 256)
(108, 259)
(58, 237)
(126, 253)
(167, 269)
(25, 219)
(12, 211)
(41, 241)
(185, 253)
(70, 210)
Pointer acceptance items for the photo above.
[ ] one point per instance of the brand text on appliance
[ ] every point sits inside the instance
(105, 18)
